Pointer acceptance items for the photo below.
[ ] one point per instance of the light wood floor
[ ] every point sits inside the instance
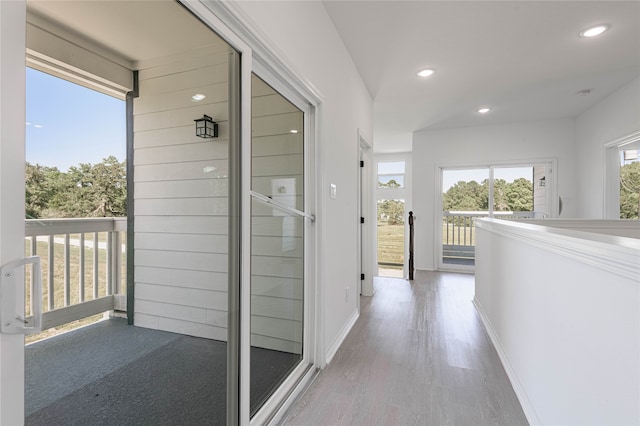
(418, 355)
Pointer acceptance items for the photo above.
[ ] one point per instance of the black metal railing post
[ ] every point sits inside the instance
(410, 245)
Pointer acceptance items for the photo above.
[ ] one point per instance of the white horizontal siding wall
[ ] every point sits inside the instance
(277, 261)
(539, 192)
(180, 185)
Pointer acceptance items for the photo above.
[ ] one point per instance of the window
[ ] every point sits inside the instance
(629, 184)
(391, 174)
(622, 184)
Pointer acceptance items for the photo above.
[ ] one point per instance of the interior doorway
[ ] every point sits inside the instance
(391, 238)
(393, 195)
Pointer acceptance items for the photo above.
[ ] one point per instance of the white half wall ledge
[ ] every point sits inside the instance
(562, 308)
(611, 252)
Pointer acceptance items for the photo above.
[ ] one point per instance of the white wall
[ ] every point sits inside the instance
(616, 116)
(305, 39)
(568, 334)
(518, 142)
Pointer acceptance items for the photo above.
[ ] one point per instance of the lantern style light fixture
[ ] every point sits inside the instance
(543, 181)
(206, 127)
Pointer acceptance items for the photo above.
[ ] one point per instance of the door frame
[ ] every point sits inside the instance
(365, 209)
(12, 192)
(611, 196)
(405, 194)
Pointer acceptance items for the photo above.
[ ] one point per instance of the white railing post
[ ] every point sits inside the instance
(67, 269)
(117, 262)
(81, 271)
(50, 278)
(109, 284)
(96, 249)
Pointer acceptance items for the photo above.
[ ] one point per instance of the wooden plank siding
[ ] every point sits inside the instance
(180, 187)
(181, 190)
(277, 238)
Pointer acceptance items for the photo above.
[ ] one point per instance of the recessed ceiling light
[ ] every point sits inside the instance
(484, 110)
(595, 31)
(293, 131)
(426, 72)
(198, 97)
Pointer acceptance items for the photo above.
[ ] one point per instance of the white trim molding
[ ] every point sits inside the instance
(612, 253)
(335, 345)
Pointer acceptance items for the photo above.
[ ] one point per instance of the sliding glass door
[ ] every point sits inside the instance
(503, 192)
(278, 241)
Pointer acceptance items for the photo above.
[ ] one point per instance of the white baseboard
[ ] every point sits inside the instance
(335, 345)
(519, 389)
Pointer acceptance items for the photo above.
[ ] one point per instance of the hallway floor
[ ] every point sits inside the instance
(418, 355)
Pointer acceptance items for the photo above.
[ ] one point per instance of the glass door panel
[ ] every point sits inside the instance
(277, 240)
(465, 196)
(170, 365)
(513, 191)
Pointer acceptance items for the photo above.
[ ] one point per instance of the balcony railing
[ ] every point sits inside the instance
(458, 233)
(84, 267)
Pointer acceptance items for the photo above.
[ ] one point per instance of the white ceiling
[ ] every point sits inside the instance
(133, 32)
(522, 58)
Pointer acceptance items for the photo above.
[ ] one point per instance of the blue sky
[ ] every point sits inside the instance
(68, 124)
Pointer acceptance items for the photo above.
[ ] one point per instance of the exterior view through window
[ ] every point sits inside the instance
(629, 184)
(467, 194)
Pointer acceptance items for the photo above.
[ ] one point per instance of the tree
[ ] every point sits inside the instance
(520, 195)
(391, 211)
(463, 195)
(37, 194)
(472, 196)
(390, 184)
(109, 188)
(500, 194)
(84, 191)
(630, 191)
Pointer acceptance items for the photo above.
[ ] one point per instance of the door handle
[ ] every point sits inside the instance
(10, 321)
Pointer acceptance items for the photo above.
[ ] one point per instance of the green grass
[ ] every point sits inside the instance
(390, 243)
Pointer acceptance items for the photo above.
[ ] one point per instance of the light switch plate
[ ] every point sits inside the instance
(332, 191)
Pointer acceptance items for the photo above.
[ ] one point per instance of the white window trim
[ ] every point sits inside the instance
(611, 196)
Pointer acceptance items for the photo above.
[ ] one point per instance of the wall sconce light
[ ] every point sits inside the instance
(543, 181)
(206, 127)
